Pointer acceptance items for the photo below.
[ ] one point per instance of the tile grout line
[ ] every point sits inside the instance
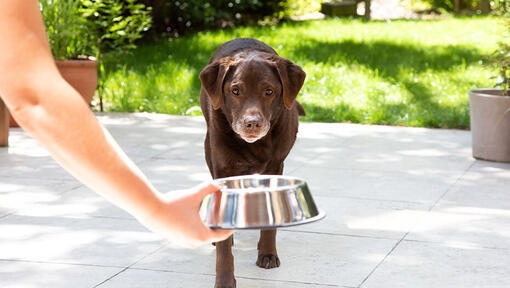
(336, 234)
(287, 281)
(380, 263)
(7, 215)
(373, 199)
(109, 278)
(451, 186)
(438, 242)
(237, 276)
(58, 263)
(129, 266)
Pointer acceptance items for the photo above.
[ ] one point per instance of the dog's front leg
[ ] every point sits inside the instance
(268, 257)
(225, 264)
(267, 254)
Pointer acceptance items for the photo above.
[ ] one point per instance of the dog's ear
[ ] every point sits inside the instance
(212, 77)
(292, 77)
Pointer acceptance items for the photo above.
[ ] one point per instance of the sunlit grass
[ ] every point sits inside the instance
(412, 73)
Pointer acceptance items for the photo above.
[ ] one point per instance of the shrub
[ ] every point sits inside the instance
(178, 17)
(116, 24)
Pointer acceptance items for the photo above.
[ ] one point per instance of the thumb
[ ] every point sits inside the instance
(206, 189)
(220, 235)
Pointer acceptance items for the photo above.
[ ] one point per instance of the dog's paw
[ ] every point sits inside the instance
(268, 261)
(225, 281)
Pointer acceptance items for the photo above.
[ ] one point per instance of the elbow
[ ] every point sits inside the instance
(20, 99)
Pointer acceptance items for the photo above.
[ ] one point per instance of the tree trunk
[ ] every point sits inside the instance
(486, 8)
(367, 9)
(4, 125)
(457, 6)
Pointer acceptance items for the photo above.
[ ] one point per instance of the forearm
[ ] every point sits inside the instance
(63, 123)
(89, 152)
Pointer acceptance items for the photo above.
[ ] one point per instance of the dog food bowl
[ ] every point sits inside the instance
(258, 202)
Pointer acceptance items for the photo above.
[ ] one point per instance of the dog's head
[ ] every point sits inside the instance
(251, 89)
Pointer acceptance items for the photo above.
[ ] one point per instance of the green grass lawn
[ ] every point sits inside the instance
(412, 73)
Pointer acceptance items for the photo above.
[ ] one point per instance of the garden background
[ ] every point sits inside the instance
(414, 71)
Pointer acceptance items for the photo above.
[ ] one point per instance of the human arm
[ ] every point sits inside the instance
(50, 110)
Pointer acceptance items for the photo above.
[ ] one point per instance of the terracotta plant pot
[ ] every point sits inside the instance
(80, 74)
(490, 124)
(4, 125)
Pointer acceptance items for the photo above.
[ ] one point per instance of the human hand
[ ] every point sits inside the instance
(178, 218)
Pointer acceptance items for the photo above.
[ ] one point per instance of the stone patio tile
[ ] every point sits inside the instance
(485, 185)
(383, 185)
(92, 241)
(398, 149)
(26, 159)
(172, 174)
(475, 212)
(19, 193)
(81, 203)
(305, 257)
(425, 265)
(134, 278)
(153, 134)
(24, 166)
(467, 226)
(19, 274)
(362, 217)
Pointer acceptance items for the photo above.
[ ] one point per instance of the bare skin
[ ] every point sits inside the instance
(52, 112)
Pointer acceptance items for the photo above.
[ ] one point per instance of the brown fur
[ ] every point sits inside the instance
(248, 101)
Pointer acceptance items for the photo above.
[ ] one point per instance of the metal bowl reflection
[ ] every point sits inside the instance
(258, 202)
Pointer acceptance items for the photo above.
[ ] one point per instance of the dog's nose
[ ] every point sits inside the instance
(252, 122)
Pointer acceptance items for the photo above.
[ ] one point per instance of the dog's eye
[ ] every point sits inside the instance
(269, 92)
(235, 91)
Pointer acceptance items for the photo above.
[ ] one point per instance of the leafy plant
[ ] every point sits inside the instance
(66, 29)
(116, 24)
(501, 61)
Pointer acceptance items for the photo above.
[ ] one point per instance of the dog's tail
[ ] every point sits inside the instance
(300, 109)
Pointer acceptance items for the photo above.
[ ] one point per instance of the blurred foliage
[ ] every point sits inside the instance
(302, 7)
(177, 17)
(66, 29)
(499, 7)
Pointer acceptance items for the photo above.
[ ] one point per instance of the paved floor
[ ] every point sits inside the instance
(407, 207)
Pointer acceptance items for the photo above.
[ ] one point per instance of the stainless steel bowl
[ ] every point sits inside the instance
(258, 202)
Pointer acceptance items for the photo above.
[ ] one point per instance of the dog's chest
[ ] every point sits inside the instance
(260, 157)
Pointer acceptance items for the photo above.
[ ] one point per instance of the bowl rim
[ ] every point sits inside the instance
(223, 189)
(321, 215)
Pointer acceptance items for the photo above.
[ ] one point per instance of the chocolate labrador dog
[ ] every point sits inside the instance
(248, 99)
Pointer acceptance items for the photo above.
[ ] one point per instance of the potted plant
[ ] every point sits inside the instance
(81, 31)
(490, 112)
